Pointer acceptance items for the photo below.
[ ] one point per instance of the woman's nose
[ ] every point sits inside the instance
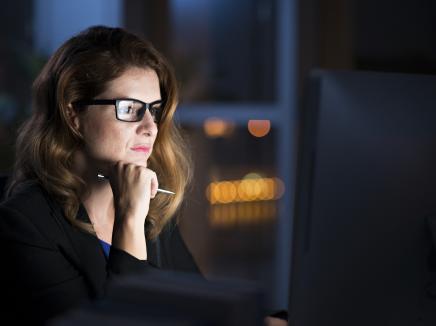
(147, 124)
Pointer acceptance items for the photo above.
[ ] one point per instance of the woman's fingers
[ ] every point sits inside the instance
(133, 187)
(127, 175)
(154, 185)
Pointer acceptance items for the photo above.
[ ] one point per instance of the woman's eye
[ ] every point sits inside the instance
(125, 110)
(155, 108)
(128, 109)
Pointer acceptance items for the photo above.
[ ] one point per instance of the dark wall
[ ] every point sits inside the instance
(387, 35)
(395, 35)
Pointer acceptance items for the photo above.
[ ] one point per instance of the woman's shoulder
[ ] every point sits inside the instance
(29, 197)
(27, 215)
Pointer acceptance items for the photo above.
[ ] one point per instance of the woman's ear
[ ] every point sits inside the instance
(73, 117)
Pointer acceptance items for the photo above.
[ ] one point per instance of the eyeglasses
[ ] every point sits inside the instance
(129, 110)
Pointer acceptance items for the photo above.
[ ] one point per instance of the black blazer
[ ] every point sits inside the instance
(49, 266)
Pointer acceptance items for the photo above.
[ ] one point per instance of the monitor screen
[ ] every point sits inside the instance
(366, 192)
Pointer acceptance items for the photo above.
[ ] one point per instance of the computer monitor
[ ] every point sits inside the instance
(366, 190)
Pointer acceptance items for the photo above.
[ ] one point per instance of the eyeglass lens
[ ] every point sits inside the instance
(130, 110)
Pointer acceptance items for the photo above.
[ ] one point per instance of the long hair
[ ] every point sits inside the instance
(81, 69)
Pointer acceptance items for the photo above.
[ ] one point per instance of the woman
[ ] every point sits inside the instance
(83, 206)
(89, 161)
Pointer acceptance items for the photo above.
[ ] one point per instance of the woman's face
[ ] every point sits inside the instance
(108, 140)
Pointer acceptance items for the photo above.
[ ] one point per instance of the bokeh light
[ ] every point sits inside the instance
(259, 128)
(245, 190)
(215, 127)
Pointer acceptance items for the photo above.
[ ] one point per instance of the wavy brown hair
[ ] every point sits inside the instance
(81, 69)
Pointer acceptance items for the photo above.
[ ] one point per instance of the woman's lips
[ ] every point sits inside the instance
(141, 149)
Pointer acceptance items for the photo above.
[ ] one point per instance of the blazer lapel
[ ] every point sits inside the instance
(84, 251)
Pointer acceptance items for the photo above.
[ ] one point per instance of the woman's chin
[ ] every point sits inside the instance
(104, 168)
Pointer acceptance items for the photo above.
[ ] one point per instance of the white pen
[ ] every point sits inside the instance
(158, 189)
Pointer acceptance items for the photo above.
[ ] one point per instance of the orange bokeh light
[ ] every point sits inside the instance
(259, 128)
(215, 127)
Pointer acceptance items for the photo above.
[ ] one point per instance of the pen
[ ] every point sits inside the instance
(158, 189)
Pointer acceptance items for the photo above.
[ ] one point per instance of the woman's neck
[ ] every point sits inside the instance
(99, 204)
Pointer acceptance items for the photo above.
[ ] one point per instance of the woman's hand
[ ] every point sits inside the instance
(133, 186)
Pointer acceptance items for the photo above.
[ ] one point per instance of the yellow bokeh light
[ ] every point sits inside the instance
(252, 175)
(257, 189)
(227, 192)
(245, 190)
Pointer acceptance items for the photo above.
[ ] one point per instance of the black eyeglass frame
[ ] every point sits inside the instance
(157, 115)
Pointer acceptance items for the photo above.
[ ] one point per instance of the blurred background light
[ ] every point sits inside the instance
(259, 128)
(242, 214)
(244, 190)
(215, 127)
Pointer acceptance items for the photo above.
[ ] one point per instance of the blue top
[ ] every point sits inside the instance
(106, 247)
